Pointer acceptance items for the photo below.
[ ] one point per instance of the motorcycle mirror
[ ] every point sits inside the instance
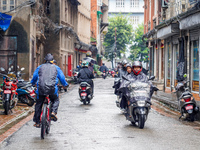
(22, 69)
(2, 69)
(152, 78)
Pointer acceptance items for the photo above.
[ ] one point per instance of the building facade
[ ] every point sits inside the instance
(22, 44)
(130, 8)
(99, 21)
(84, 19)
(171, 32)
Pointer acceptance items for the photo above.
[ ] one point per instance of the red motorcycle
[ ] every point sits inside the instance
(9, 97)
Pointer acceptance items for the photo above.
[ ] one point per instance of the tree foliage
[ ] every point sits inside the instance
(139, 49)
(124, 36)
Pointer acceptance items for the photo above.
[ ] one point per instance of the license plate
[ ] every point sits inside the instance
(83, 94)
(7, 91)
(188, 107)
(32, 94)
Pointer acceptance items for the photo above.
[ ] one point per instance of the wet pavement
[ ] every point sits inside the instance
(101, 126)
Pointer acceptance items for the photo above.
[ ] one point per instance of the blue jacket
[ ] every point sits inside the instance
(60, 76)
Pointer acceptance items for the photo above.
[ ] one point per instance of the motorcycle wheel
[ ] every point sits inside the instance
(84, 102)
(6, 107)
(141, 121)
(43, 123)
(30, 101)
(191, 117)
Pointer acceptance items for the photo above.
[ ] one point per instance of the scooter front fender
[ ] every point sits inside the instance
(7, 97)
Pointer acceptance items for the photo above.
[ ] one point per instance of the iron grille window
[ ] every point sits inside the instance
(134, 19)
(119, 3)
(134, 3)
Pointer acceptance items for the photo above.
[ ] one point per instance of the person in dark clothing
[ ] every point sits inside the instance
(85, 75)
(103, 68)
(46, 77)
(79, 67)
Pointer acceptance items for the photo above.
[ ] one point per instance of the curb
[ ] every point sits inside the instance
(167, 101)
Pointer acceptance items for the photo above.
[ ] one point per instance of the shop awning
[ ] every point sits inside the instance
(190, 21)
(168, 31)
(5, 21)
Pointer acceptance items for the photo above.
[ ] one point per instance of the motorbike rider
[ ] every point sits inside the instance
(46, 76)
(121, 72)
(128, 75)
(85, 75)
(103, 68)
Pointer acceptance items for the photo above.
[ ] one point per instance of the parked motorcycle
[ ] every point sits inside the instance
(75, 76)
(186, 102)
(85, 93)
(139, 101)
(9, 96)
(26, 93)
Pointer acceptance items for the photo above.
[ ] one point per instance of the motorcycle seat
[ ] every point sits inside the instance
(84, 84)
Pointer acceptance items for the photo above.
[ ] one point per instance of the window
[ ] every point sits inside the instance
(134, 3)
(134, 19)
(4, 7)
(119, 3)
(4, 1)
(195, 66)
(11, 2)
(99, 2)
(12, 7)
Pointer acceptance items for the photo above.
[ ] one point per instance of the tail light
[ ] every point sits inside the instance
(83, 88)
(187, 99)
(75, 74)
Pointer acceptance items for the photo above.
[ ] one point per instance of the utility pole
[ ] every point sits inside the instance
(115, 44)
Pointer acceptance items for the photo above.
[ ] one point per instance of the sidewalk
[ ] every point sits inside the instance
(167, 98)
(171, 100)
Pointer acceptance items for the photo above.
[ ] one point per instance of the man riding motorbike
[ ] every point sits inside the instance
(85, 75)
(103, 68)
(46, 76)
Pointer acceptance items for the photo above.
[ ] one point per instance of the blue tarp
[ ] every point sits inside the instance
(5, 21)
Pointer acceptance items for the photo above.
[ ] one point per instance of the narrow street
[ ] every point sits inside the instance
(101, 126)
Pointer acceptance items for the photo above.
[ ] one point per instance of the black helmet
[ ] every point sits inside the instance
(49, 57)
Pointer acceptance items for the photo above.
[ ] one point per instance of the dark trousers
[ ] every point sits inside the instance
(123, 103)
(38, 106)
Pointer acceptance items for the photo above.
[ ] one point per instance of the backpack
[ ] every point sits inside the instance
(47, 79)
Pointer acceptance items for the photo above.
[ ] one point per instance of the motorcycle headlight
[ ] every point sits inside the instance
(141, 103)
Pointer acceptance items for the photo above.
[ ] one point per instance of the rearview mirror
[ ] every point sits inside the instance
(123, 77)
(152, 78)
(2, 69)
